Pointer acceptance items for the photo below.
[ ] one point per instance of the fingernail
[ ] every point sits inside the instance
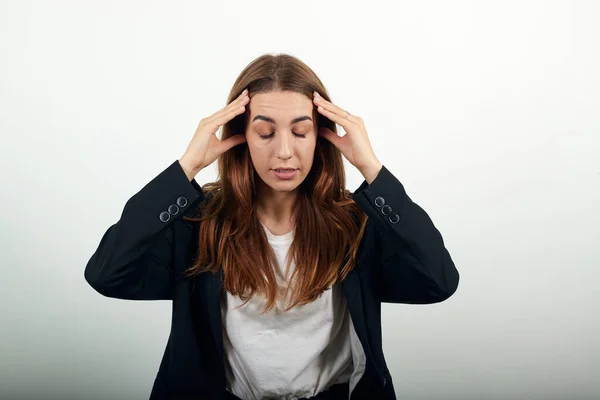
(245, 91)
(315, 93)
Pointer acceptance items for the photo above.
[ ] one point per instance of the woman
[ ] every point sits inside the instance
(276, 271)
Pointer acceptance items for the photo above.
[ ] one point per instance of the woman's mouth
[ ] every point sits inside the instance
(285, 173)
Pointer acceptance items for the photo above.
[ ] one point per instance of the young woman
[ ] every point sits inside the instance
(276, 271)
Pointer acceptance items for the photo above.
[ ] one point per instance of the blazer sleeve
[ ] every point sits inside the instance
(416, 267)
(134, 258)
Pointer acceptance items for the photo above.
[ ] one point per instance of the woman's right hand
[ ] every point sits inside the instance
(205, 146)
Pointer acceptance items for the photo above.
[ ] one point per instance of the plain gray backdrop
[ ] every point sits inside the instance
(487, 111)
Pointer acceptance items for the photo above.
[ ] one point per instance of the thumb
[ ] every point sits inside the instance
(329, 135)
(233, 141)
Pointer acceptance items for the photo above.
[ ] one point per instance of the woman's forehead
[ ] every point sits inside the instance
(280, 102)
(281, 108)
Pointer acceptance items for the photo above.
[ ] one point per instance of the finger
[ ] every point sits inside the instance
(227, 113)
(228, 116)
(332, 108)
(241, 100)
(341, 121)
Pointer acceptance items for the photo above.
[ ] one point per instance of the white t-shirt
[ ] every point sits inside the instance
(293, 354)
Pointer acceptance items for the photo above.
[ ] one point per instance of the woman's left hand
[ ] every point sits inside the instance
(355, 144)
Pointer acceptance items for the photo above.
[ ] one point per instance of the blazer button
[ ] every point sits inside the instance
(385, 210)
(173, 209)
(383, 381)
(164, 216)
(379, 201)
(182, 201)
(394, 218)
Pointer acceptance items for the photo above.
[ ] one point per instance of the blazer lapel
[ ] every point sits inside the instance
(206, 300)
(352, 291)
(214, 284)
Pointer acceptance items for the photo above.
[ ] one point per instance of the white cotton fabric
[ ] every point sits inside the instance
(293, 354)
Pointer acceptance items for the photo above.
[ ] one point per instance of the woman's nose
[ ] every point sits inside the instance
(284, 146)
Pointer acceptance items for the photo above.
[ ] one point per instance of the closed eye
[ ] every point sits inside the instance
(273, 134)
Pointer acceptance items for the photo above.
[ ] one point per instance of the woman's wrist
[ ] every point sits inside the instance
(188, 168)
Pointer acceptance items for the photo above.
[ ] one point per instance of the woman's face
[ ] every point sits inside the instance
(281, 133)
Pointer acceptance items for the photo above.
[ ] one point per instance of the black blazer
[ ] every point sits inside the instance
(401, 259)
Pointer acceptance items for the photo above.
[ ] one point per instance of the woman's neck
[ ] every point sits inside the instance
(276, 207)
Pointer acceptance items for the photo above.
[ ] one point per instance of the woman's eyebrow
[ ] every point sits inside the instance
(272, 121)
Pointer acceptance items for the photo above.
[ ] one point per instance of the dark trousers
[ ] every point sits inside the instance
(336, 392)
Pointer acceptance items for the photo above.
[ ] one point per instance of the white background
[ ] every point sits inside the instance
(487, 111)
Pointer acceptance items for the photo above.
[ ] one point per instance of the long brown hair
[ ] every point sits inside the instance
(230, 234)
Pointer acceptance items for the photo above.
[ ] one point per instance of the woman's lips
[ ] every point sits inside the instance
(285, 174)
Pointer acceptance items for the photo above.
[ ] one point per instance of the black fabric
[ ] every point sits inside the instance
(402, 259)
